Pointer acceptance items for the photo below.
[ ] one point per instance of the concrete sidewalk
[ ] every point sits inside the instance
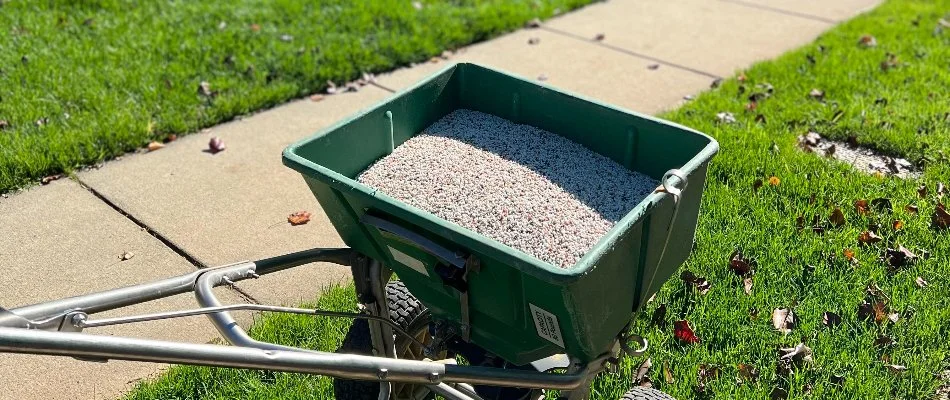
(180, 208)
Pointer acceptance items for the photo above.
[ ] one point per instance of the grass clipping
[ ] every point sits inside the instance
(520, 185)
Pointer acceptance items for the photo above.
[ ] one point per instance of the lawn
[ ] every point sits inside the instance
(86, 81)
(901, 107)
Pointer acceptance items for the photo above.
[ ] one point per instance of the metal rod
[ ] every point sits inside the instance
(449, 392)
(95, 323)
(16, 340)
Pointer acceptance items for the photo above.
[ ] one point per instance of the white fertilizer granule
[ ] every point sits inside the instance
(520, 185)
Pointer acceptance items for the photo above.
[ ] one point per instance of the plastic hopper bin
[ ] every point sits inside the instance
(499, 298)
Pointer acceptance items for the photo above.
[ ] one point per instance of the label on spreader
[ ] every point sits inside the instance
(408, 261)
(546, 324)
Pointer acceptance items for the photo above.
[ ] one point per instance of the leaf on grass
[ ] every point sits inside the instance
(747, 285)
(759, 118)
(255, 28)
(836, 379)
(659, 316)
(940, 190)
(816, 94)
(895, 369)
(298, 218)
(899, 257)
(774, 180)
(830, 319)
(877, 311)
(883, 341)
(868, 237)
(747, 373)
(800, 222)
(126, 256)
(726, 117)
(751, 106)
(881, 204)
(867, 41)
(667, 374)
(922, 191)
(216, 145)
(897, 225)
(699, 282)
(848, 254)
(862, 206)
(837, 217)
(642, 378)
(796, 356)
(4, 124)
(204, 89)
(921, 283)
(911, 209)
(778, 394)
(740, 264)
(152, 146)
(756, 185)
(940, 218)
(684, 333)
(783, 319)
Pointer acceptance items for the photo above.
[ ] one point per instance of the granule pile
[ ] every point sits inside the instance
(520, 185)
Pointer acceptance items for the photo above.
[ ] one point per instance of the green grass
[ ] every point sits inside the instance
(109, 76)
(913, 123)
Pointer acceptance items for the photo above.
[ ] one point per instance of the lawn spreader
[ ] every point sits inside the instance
(467, 317)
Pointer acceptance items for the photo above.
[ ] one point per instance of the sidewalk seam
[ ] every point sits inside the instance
(632, 53)
(158, 236)
(782, 11)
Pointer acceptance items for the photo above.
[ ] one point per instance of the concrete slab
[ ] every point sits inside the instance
(838, 10)
(59, 240)
(717, 37)
(233, 206)
(585, 68)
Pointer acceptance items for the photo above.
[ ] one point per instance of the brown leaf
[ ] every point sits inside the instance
(881, 204)
(47, 179)
(940, 189)
(742, 78)
(899, 257)
(868, 237)
(171, 138)
(653, 67)
(216, 145)
(533, 23)
(298, 218)
(659, 316)
(126, 256)
(848, 254)
(783, 319)
(895, 369)
(911, 209)
(204, 89)
(255, 28)
(699, 282)
(830, 319)
(748, 373)
(152, 146)
(796, 356)
(542, 77)
(4, 124)
(759, 118)
(816, 94)
(874, 291)
(867, 41)
(812, 139)
(922, 190)
(317, 97)
(756, 184)
(774, 181)
(741, 265)
(534, 41)
(667, 375)
(707, 372)
(897, 225)
(836, 379)
(862, 207)
(600, 36)
(876, 311)
(751, 106)
(921, 283)
(800, 222)
(747, 285)
(940, 218)
(837, 217)
(778, 394)
(684, 333)
(883, 341)
(642, 378)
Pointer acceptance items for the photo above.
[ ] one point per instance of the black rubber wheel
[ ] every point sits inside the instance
(645, 393)
(407, 312)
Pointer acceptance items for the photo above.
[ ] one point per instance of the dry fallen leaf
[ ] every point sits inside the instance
(47, 179)
(741, 265)
(796, 356)
(867, 41)
(152, 146)
(940, 218)
(837, 217)
(747, 285)
(878, 311)
(126, 256)
(783, 319)
(216, 145)
(534, 40)
(830, 319)
(542, 77)
(600, 36)
(911, 209)
(897, 225)
(299, 218)
(255, 28)
(699, 282)
(533, 23)
(862, 207)
(747, 373)
(899, 257)
(940, 190)
(848, 254)
(316, 97)
(778, 394)
(726, 117)
(774, 180)
(642, 378)
(204, 89)
(895, 369)
(883, 341)
(800, 222)
(684, 333)
(868, 237)
(922, 190)
(816, 94)
(653, 67)
(921, 283)
(882, 205)
(4, 124)
(756, 184)
(742, 77)
(836, 379)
